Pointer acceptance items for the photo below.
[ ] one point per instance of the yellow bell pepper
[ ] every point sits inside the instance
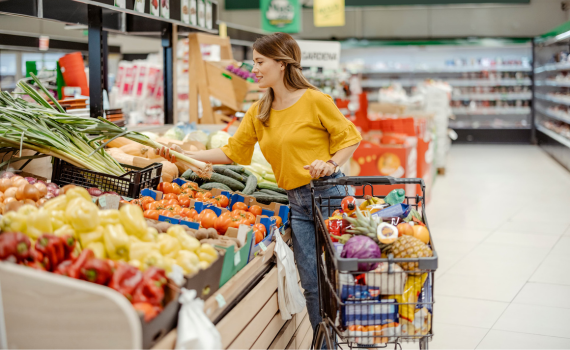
(204, 265)
(82, 214)
(57, 218)
(133, 221)
(168, 263)
(98, 249)
(139, 250)
(116, 242)
(136, 263)
(28, 210)
(207, 253)
(154, 258)
(38, 223)
(188, 261)
(13, 222)
(151, 235)
(109, 217)
(92, 236)
(57, 203)
(78, 192)
(188, 242)
(168, 246)
(65, 230)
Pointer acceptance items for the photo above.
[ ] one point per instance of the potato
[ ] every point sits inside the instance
(212, 233)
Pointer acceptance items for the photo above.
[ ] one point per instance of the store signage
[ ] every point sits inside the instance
(120, 3)
(281, 16)
(44, 43)
(325, 54)
(328, 13)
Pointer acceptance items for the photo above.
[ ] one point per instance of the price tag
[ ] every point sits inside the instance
(262, 246)
(237, 259)
(221, 301)
(102, 201)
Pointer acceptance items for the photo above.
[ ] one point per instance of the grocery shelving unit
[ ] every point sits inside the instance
(491, 101)
(101, 17)
(552, 93)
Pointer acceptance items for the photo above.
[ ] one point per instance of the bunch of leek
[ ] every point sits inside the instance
(48, 129)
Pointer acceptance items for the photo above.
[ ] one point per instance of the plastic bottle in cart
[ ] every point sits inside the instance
(395, 197)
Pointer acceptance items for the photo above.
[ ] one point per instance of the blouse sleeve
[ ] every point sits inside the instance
(241, 146)
(342, 132)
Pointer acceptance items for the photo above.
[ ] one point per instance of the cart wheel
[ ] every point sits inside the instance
(322, 334)
(424, 343)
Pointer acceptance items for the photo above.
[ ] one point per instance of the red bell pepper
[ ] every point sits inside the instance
(53, 249)
(148, 310)
(36, 265)
(69, 243)
(151, 289)
(14, 245)
(75, 268)
(63, 268)
(126, 279)
(97, 271)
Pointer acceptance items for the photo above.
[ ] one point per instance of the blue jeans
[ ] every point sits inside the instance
(303, 232)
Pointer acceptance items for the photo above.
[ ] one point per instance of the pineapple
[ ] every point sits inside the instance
(410, 247)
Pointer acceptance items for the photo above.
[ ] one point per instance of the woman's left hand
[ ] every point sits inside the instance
(319, 168)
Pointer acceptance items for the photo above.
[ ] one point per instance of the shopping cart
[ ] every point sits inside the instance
(375, 308)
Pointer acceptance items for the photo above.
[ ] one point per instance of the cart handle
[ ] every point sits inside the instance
(365, 180)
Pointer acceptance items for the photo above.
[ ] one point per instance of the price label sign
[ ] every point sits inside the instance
(221, 301)
(237, 259)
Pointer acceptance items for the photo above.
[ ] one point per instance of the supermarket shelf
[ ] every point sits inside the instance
(485, 97)
(552, 115)
(490, 111)
(493, 135)
(448, 70)
(378, 83)
(552, 67)
(559, 138)
(553, 99)
(552, 83)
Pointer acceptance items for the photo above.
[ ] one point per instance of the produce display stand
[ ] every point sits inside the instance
(209, 78)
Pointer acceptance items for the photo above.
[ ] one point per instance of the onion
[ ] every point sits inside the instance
(5, 184)
(42, 188)
(2, 206)
(41, 202)
(9, 199)
(29, 201)
(28, 192)
(56, 192)
(52, 185)
(2, 198)
(31, 180)
(67, 188)
(7, 175)
(13, 206)
(11, 192)
(111, 192)
(43, 182)
(94, 191)
(49, 195)
(17, 181)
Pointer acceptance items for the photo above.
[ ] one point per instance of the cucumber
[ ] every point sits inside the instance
(190, 175)
(247, 172)
(236, 168)
(265, 198)
(250, 185)
(272, 187)
(230, 173)
(271, 193)
(211, 185)
(235, 185)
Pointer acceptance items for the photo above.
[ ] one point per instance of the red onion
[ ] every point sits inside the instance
(94, 191)
(111, 192)
(43, 182)
(52, 185)
(49, 195)
(54, 191)
(7, 175)
(31, 180)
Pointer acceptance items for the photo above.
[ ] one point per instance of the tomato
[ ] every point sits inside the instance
(258, 236)
(222, 200)
(174, 209)
(261, 228)
(240, 206)
(188, 193)
(199, 196)
(151, 214)
(155, 206)
(249, 217)
(188, 213)
(146, 201)
(160, 187)
(169, 196)
(227, 213)
(255, 210)
(337, 212)
(190, 185)
(165, 212)
(165, 187)
(213, 202)
(184, 200)
(176, 189)
(222, 223)
(278, 221)
(208, 195)
(124, 201)
(169, 202)
(349, 204)
(207, 218)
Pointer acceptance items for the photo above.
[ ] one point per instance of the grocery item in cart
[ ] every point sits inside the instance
(390, 278)
(370, 312)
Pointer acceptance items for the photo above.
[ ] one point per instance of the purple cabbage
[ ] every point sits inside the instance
(362, 247)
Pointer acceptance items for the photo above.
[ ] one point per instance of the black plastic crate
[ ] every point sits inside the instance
(129, 185)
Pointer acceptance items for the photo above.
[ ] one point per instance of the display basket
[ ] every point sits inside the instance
(391, 303)
(129, 185)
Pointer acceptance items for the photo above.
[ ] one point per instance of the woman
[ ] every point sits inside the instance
(302, 134)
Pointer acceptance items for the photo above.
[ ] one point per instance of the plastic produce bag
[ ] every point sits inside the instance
(289, 296)
(195, 330)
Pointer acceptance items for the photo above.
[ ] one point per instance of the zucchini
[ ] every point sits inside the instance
(250, 185)
(236, 168)
(270, 192)
(190, 175)
(210, 185)
(272, 187)
(230, 173)
(235, 185)
(265, 198)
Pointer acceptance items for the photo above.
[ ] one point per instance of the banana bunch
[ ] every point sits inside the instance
(362, 225)
(369, 200)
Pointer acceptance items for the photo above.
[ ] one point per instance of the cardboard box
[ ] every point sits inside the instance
(158, 327)
(235, 261)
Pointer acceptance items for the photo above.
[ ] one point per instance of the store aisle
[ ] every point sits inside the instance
(500, 218)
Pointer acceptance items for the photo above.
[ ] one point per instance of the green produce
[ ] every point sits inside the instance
(272, 187)
(270, 192)
(230, 173)
(228, 181)
(267, 199)
(210, 185)
(190, 175)
(236, 168)
(250, 185)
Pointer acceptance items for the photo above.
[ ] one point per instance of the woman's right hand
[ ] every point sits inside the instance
(164, 152)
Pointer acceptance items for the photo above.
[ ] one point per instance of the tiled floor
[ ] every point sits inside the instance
(500, 218)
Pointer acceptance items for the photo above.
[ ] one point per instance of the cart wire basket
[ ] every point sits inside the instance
(370, 303)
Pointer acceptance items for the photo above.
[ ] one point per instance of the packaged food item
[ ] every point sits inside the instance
(387, 233)
(395, 197)
(370, 312)
(421, 324)
(357, 292)
(389, 278)
(392, 220)
(410, 296)
(399, 210)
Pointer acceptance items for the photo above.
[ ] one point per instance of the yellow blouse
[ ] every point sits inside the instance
(312, 128)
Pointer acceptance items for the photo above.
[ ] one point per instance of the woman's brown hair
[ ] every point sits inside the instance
(281, 47)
